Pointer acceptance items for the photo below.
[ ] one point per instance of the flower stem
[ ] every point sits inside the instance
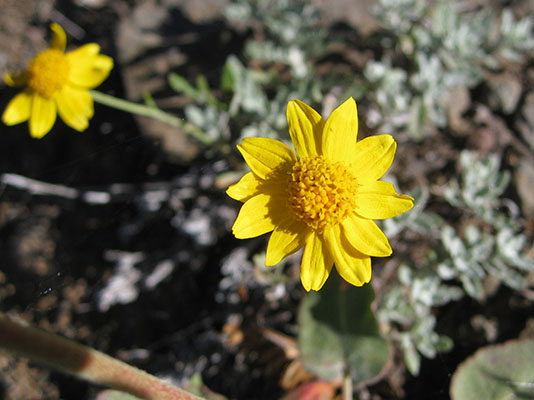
(346, 389)
(84, 362)
(152, 112)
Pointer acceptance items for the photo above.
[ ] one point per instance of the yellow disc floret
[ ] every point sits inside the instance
(48, 72)
(321, 192)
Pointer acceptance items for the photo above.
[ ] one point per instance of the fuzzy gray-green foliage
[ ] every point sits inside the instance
(479, 254)
(410, 304)
(481, 189)
(495, 250)
(446, 48)
(493, 246)
(407, 308)
(292, 38)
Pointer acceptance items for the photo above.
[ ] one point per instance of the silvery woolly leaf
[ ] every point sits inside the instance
(426, 337)
(472, 286)
(472, 234)
(446, 271)
(507, 275)
(411, 356)
(237, 12)
(446, 294)
(405, 275)
(425, 222)
(452, 243)
(423, 290)
(483, 249)
(195, 115)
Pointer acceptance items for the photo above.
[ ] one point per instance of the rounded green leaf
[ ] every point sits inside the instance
(502, 371)
(338, 332)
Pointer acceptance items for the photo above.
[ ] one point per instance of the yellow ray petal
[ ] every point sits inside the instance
(316, 263)
(16, 80)
(341, 132)
(245, 188)
(43, 116)
(264, 155)
(260, 214)
(75, 107)
(88, 69)
(18, 109)
(305, 127)
(59, 38)
(365, 236)
(373, 157)
(352, 265)
(287, 237)
(85, 51)
(379, 200)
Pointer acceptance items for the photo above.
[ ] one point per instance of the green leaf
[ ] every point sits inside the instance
(203, 89)
(418, 119)
(180, 85)
(228, 77)
(248, 95)
(338, 332)
(502, 371)
(149, 100)
(444, 343)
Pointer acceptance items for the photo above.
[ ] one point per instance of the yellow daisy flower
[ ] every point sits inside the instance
(324, 198)
(57, 82)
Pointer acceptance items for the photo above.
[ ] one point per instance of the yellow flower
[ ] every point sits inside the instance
(325, 200)
(57, 82)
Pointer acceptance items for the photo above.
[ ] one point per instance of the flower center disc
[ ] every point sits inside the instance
(48, 72)
(321, 193)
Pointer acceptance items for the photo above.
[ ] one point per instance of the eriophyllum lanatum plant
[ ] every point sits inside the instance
(57, 82)
(324, 198)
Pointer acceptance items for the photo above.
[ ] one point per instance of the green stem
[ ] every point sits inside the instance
(84, 362)
(152, 112)
(346, 389)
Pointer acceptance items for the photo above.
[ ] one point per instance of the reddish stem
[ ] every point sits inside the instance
(84, 362)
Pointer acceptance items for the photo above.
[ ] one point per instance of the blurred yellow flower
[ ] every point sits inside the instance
(325, 200)
(57, 82)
